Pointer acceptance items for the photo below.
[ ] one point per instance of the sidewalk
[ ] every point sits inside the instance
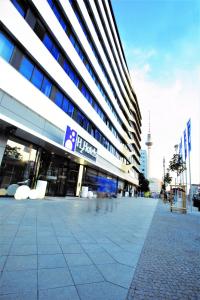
(169, 265)
(71, 249)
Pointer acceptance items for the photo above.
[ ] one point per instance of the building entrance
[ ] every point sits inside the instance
(60, 173)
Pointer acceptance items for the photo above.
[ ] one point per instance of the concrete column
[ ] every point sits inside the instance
(3, 142)
(79, 181)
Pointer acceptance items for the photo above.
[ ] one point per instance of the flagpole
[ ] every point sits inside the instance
(190, 192)
(186, 183)
(189, 150)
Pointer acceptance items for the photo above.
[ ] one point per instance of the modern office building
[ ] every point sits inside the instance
(143, 162)
(68, 111)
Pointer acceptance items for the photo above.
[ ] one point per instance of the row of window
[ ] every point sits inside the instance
(83, 57)
(22, 7)
(108, 19)
(83, 26)
(63, 61)
(76, 11)
(12, 54)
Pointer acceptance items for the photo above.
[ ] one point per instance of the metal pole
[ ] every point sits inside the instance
(190, 192)
(176, 179)
(186, 188)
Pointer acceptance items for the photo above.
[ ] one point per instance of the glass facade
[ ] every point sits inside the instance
(60, 173)
(103, 184)
(57, 53)
(23, 161)
(6, 47)
(17, 164)
(45, 85)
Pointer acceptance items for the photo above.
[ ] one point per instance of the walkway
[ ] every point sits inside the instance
(71, 249)
(169, 265)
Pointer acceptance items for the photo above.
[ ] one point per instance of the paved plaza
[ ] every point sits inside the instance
(169, 265)
(71, 249)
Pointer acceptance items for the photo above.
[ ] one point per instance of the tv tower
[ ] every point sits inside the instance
(149, 144)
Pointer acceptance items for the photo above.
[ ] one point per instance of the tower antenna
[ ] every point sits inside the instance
(149, 144)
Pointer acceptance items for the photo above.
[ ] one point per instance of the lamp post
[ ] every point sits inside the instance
(164, 171)
(176, 178)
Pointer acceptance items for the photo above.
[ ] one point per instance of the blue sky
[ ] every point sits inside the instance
(168, 29)
(161, 40)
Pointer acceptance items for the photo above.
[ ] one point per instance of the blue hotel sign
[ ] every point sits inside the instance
(74, 142)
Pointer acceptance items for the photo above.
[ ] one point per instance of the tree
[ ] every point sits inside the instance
(143, 183)
(176, 164)
(13, 152)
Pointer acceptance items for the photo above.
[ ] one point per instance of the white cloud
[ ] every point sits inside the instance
(171, 104)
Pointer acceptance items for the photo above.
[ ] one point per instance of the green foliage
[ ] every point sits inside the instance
(143, 183)
(176, 164)
(167, 179)
(13, 152)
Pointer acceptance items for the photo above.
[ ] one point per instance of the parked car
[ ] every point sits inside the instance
(196, 200)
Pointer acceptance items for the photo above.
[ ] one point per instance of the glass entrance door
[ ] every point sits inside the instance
(60, 173)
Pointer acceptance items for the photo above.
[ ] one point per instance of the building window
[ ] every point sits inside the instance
(66, 67)
(46, 87)
(48, 42)
(37, 78)
(26, 68)
(21, 7)
(6, 47)
(55, 52)
(70, 109)
(58, 99)
(63, 24)
(65, 105)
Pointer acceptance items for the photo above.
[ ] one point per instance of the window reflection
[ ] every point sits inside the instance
(17, 164)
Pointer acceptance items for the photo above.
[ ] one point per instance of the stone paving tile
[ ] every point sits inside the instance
(80, 259)
(110, 247)
(92, 248)
(101, 291)
(2, 262)
(22, 240)
(101, 258)
(23, 249)
(20, 296)
(65, 293)
(18, 281)
(66, 233)
(86, 274)
(51, 261)
(49, 249)
(53, 278)
(4, 249)
(117, 274)
(169, 265)
(126, 257)
(24, 262)
(71, 248)
(47, 241)
(67, 240)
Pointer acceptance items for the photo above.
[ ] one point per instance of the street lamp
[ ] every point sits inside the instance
(164, 172)
(176, 178)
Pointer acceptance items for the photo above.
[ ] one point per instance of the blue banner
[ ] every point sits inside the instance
(185, 143)
(181, 148)
(189, 135)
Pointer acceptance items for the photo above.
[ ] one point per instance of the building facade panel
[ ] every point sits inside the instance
(59, 118)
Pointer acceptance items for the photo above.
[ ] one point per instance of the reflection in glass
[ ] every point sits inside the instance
(26, 68)
(6, 47)
(17, 164)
